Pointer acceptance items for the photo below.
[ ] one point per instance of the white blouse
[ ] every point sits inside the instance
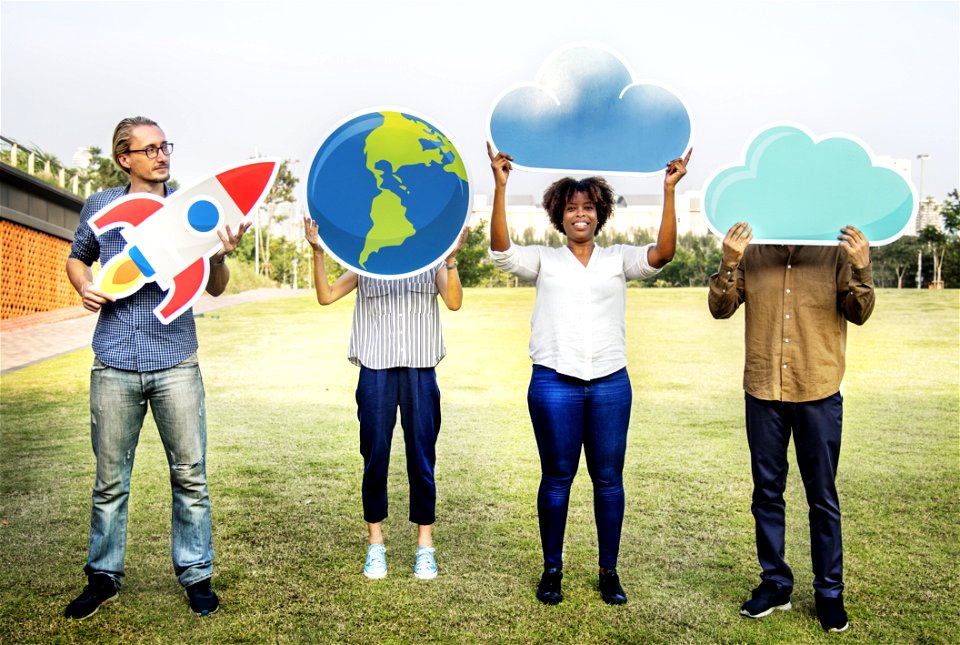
(578, 326)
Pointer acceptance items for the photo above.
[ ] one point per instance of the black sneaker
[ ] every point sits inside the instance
(767, 597)
(203, 601)
(100, 589)
(831, 614)
(610, 589)
(548, 591)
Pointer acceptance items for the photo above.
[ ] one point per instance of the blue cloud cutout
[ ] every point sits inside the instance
(585, 113)
(795, 189)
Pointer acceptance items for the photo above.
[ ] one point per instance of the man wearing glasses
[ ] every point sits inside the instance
(139, 359)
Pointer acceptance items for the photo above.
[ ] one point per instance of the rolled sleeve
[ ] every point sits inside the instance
(726, 291)
(858, 301)
(635, 262)
(85, 246)
(521, 261)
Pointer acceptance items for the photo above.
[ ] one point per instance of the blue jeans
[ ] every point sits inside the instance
(379, 393)
(568, 413)
(816, 427)
(118, 405)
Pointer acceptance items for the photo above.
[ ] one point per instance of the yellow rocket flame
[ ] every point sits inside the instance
(120, 277)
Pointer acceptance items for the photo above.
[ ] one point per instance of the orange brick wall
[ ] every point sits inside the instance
(32, 272)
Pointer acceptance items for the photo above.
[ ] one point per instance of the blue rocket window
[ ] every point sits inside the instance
(203, 215)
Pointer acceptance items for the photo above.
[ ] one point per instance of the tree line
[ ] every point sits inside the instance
(696, 259)
(936, 252)
(933, 256)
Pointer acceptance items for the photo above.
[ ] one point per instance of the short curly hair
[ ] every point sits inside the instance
(557, 194)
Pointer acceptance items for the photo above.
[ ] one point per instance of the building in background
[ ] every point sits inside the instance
(37, 223)
(929, 215)
(633, 213)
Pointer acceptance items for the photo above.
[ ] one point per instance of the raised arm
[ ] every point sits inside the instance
(448, 278)
(499, 234)
(660, 254)
(326, 293)
(726, 285)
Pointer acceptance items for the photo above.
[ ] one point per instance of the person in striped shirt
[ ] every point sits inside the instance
(396, 341)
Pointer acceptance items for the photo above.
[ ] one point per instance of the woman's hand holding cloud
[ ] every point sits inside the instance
(676, 169)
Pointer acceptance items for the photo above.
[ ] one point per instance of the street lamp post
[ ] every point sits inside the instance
(922, 158)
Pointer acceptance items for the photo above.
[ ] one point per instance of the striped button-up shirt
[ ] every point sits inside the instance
(128, 335)
(396, 323)
(798, 303)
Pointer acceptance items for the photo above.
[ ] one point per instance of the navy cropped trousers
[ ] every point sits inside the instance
(415, 393)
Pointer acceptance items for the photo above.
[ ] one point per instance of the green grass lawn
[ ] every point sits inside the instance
(284, 472)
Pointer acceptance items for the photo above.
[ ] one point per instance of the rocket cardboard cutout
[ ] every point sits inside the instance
(170, 241)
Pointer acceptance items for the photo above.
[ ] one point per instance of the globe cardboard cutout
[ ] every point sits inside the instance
(586, 113)
(389, 193)
(170, 240)
(793, 187)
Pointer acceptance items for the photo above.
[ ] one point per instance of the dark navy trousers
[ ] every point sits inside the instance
(816, 427)
(569, 415)
(379, 393)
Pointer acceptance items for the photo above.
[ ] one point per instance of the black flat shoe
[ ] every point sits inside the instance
(548, 591)
(610, 589)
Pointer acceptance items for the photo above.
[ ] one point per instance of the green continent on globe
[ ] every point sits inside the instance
(398, 142)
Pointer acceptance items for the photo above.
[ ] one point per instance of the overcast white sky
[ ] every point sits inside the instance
(227, 78)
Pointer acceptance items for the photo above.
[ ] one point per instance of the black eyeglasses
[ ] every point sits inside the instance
(153, 151)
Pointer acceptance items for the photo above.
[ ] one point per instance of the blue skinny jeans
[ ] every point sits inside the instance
(568, 413)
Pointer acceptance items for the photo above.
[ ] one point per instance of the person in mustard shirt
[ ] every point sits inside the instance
(798, 300)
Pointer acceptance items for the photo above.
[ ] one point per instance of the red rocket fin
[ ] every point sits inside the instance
(249, 183)
(186, 289)
(127, 211)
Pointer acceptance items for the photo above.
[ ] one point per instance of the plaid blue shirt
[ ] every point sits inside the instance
(128, 335)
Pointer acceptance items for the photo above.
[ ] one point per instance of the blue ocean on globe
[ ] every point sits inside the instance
(389, 193)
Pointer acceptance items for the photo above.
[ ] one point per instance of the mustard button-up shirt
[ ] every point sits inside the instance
(798, 300)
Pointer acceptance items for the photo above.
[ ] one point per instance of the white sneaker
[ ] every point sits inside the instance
(426, 565)
(376, 564)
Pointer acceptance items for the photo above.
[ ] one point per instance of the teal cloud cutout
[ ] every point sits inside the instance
(793, 188)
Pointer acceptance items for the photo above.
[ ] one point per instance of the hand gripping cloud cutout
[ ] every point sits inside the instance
(585, 113)
(795, 188)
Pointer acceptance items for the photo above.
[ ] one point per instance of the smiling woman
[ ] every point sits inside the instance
(580, 394)
(587, 203)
